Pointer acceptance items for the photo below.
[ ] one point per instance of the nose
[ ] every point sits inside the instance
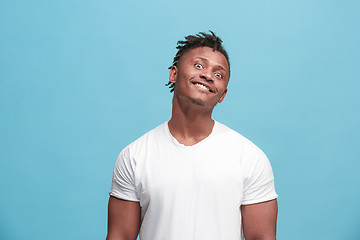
(207, 75)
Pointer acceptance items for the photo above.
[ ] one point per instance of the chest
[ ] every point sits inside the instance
(188, 175)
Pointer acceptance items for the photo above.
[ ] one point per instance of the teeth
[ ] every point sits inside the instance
(202, 86)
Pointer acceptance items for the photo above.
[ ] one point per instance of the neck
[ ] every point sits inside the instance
(190, 123)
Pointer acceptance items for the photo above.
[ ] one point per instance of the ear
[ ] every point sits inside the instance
(222, 96)
(173, 74)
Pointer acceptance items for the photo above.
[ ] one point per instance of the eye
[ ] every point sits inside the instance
(199, 66)
(218, 75)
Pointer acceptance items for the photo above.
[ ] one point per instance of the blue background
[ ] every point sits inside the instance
(82, 79)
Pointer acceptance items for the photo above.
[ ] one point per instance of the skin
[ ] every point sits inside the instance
(190, 123)
(192, 105)
(123, 219)
(259, 220)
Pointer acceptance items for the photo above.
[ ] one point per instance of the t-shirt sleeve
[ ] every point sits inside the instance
(123, 179)
(258, 180)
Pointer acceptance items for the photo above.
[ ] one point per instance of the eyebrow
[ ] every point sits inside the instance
(207, 60)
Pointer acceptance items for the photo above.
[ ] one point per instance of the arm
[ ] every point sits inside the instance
(123, 219)
(259, 220)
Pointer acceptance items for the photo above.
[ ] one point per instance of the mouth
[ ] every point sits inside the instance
(203, 86)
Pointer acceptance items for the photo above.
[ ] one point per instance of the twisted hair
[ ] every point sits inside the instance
(193, 41)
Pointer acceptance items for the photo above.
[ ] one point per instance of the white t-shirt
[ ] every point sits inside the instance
(192, 192)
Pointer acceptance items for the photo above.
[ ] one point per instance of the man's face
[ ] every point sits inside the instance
(201, 76)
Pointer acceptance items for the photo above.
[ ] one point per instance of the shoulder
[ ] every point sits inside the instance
(147, 139)
(254, 162)
(236, 139)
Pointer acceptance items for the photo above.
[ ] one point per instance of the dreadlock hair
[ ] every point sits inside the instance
(193, 41)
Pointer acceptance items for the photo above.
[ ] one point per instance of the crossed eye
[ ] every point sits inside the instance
(218, 75)
(198, 65)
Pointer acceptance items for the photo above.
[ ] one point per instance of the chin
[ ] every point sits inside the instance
(198, 102)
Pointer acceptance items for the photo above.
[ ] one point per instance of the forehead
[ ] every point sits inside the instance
(214, 56)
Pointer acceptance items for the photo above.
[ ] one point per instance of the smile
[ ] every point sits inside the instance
(202, 86)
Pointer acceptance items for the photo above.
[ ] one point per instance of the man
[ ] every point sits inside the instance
(193, 178)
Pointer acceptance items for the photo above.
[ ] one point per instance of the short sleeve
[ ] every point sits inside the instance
(258, 180)
(123, 179)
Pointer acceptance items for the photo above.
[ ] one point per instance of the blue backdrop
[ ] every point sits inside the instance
(82, 79)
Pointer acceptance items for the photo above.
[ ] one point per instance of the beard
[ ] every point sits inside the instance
(197, 102)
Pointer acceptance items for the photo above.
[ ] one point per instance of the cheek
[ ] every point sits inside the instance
(186, 76)
(221, 87)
